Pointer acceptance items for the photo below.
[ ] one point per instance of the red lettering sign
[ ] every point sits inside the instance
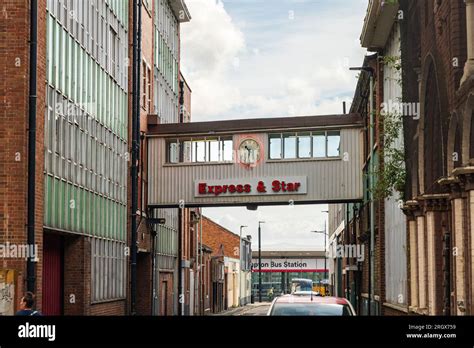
(277, 186)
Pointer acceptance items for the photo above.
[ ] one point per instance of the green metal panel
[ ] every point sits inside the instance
(89, 224)
(93, 213)
(47, 201)
(68, 211)
(83, 212)
(61, 210)
(103, 224)
(99, 216)
(54, 201)
(107, 218)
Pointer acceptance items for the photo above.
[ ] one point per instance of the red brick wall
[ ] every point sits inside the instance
(144, 290)
(215, 235)
(14, 90)
(74, 270)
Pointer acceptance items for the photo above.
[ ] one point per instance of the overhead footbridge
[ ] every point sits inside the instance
(251, 162)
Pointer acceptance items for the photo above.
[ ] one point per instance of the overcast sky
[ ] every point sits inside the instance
(272, 58)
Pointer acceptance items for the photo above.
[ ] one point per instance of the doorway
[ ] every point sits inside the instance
(53, 276)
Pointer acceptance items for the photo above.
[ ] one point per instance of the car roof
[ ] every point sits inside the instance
(315, 299)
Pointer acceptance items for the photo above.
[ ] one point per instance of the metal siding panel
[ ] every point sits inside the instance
(395, 220)
(332, 179)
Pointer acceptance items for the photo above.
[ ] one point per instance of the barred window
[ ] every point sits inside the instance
(108, 270)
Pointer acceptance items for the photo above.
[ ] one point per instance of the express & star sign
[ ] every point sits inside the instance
(251, 186)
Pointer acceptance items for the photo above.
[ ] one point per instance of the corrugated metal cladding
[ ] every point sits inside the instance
(395, 220)
(327, 180)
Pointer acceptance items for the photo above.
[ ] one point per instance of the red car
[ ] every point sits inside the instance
(310, 306)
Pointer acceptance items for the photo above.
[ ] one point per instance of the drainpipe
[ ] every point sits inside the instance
(196, 277)
(30, 264)
(201, 276)
(153, 266)
(135, 149)
(372, 205)
(180, 261)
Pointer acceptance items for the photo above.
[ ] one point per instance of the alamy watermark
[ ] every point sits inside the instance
(348, 251)
(401, 108)
(19, 251)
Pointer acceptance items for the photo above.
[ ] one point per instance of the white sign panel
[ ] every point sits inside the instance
(251, 187)
(289, 265)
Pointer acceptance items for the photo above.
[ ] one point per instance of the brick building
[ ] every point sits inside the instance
(426, 267)
(161, 101)
(226, 248)
(438, 72)
(83, 140)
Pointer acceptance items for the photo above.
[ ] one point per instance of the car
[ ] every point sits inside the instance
(307, 293)
(297, 305)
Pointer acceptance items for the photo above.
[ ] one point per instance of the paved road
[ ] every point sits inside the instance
(254, 309)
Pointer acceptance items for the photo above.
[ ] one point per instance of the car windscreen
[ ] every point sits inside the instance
(310, 309)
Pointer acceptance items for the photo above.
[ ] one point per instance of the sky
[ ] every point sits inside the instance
(272, 58)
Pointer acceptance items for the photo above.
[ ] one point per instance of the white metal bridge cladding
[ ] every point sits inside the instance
(333, 179)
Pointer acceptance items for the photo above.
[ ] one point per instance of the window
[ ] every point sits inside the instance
(275, 146)
(144, 85)
(149, 90)
(173, 152)
(289, 145)
(199, 151)
(108, 270)
(305, 145)
(319, 144)
(333, 143)
(114, 52)
(213, 149)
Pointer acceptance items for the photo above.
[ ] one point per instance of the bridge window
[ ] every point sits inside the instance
(201, 150)
(275, 146)
(317, 144)
(333, 143)
(289, 145)
(304, 145)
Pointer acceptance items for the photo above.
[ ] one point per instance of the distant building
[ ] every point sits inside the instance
(280, 267)
(226, 249)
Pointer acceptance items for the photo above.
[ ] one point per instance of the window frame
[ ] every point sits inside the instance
(312, 134)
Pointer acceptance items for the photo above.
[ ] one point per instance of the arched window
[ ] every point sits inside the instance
(435, 136)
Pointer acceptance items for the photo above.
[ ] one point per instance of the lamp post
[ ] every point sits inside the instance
(260, 262)
(325, 256)
(240, 268)
(325, 253)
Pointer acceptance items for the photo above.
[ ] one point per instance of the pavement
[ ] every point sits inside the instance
(251, 309)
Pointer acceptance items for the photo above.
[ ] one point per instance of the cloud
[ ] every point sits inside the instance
(211, 44)
(269, 58)
(264, 64)
(285, 228)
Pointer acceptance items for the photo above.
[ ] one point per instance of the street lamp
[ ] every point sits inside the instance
(240, 258)
(260, 262)
(325, 256)
(325, 252)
